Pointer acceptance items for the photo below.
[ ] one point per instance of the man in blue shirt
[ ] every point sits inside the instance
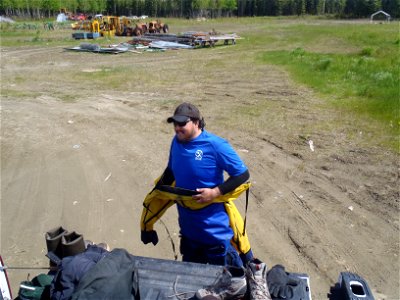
(197, 161)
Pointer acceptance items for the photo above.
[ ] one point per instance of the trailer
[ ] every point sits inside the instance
(4, 283)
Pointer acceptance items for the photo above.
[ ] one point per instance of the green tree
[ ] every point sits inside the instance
(272, 8)
(311, 7)
(137, 7)
(35, 7)
(350, 7)
(339, 7)
(7, 7)
(19, 7)
(50, 7)
(321, 7)
(150, 8)
(287, 7)
(392, 7)
(212, 7)
(372, 6)
(229, 6)
(173, 8)
(199, 7)
(299, 7)
(70, 5)
(250, 8)
(122, 6)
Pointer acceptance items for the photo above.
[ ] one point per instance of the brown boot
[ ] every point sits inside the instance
(72, 243)
(53, 240)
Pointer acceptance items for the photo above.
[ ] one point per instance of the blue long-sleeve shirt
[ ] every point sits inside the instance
(201, 163)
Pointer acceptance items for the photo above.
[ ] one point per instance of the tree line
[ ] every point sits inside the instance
(200, 8)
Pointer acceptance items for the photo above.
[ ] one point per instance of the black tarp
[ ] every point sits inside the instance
(121, 275)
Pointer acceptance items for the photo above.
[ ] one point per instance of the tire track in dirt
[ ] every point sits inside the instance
(22, 54)
(312, 230)
(296, 209)
(272, 169)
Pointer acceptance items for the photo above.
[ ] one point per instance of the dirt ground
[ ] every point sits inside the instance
(80, 154)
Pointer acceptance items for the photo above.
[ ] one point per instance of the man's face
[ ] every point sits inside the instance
(186, 131)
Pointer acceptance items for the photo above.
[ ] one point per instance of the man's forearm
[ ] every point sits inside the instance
(167, 178)
(233, 182)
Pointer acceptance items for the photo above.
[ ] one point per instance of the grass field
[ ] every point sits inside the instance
(360, 74)
(354, 66)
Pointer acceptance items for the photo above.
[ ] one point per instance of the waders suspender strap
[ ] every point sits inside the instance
(245, 212)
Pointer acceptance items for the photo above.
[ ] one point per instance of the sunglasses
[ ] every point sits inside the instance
(181, 124)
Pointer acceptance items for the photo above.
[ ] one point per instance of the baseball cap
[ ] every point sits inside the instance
(183, 112)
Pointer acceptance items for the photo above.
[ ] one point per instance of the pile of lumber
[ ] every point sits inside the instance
(192, 38)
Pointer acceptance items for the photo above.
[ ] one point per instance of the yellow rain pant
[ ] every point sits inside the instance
(157, 202)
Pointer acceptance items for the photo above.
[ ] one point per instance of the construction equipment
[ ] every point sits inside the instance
(119, 26)
(156, 27)
(90, 29)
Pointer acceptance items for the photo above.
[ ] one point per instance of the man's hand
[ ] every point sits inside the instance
(206, 194)
(149, 237)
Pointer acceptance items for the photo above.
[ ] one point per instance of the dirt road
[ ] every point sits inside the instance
(81, 151)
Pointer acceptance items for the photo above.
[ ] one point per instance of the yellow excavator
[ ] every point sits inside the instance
(106, 25)
(118, 26)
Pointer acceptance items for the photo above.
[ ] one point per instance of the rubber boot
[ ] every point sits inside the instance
(53, 240)
(72, 243)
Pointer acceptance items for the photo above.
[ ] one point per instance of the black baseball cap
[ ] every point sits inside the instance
(183, 112)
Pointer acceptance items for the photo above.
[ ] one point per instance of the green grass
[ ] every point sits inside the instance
(18, 94)
(33, 33)
(353, 66)
(359, 72)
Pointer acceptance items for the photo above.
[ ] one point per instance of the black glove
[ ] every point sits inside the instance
(280, 285)
(149, 237)
(277, 279)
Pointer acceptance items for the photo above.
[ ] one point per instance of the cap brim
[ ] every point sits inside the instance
(177, 118)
